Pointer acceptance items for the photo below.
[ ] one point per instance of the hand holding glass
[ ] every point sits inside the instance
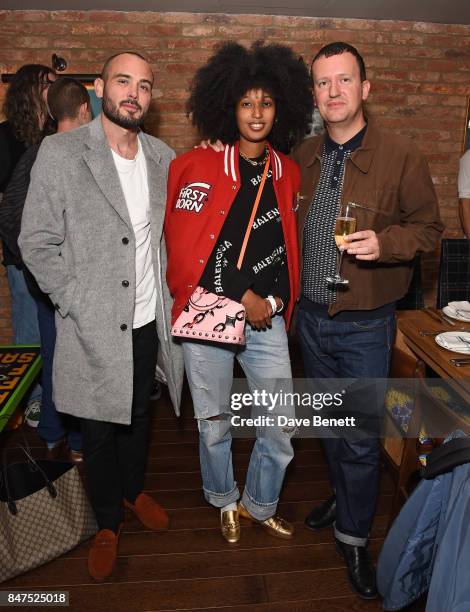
(345, 225)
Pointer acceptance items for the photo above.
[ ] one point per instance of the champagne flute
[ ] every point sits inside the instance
(345, 224)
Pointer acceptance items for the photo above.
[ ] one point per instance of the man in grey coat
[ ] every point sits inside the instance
(92, 236)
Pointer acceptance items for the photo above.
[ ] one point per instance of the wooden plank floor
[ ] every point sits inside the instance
(190, 567)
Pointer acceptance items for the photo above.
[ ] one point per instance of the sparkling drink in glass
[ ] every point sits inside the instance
(345, 224)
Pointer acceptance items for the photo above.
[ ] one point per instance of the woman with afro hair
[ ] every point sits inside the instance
(258, 102)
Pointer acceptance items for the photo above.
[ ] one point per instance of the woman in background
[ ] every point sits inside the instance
(25, 109)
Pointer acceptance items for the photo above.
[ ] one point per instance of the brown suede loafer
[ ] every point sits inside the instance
(149, 512)
(103, 553)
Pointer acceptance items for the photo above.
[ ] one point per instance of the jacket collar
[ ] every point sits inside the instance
(101, 164)
(351, 145)
(97, 139)
(361, 158)
(231, 162)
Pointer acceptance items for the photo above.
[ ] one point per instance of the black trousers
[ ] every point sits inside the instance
(115, 455)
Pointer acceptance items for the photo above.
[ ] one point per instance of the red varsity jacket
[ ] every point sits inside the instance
(202, 186)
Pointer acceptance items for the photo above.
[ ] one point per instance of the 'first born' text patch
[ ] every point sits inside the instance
(193, 196)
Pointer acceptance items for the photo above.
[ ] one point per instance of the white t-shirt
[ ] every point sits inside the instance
(464, 176)
(133, 177)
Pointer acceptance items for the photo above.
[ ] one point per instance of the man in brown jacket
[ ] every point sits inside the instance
(347, 330)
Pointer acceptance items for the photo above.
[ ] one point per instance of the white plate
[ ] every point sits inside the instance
(455, 311)
(453, 315)
(449, 341)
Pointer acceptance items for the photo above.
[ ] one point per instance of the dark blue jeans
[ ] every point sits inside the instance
(336, 349)
(52, 425)
(24, 317)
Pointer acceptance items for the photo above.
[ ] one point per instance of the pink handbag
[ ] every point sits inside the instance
(208, 316)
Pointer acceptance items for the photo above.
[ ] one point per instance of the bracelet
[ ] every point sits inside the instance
(281, 307)
(272, 301)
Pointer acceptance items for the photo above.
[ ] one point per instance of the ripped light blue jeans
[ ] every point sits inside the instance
(266, 363)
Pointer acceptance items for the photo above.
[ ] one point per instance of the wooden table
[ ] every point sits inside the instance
(410, 323)
(19, 367)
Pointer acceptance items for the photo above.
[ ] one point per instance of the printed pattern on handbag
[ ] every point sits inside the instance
(228, 324)
(211, 317)
(44, 527)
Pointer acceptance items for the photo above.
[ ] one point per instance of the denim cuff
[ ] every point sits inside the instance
(260, 512)
(219, 500)
(349, 539)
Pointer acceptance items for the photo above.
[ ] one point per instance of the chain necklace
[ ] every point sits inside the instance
(253, 162)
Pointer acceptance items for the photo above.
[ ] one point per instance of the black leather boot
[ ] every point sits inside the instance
(323, 515)
(361, 571)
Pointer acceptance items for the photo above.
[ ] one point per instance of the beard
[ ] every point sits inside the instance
(112, 112)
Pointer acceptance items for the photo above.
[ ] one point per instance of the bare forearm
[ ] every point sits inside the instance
(464, 210)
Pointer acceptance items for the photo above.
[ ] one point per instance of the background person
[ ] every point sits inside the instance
(25, 111)
(464, 192)
(69, 107)
(256, 101)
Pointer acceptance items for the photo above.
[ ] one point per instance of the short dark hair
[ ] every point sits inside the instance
(233, 70)
(336, 48)
(64, 98)
(105, 69)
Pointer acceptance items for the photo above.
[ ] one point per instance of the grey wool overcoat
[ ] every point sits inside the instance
(77, 240)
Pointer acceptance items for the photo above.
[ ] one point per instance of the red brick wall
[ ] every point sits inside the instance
(420, 74)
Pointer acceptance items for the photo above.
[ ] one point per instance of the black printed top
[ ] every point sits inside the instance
(264, 268)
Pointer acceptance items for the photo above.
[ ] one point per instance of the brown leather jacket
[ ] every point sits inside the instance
(388, 180)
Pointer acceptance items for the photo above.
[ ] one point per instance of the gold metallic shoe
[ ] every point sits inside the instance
(230, 526)
(274, 525)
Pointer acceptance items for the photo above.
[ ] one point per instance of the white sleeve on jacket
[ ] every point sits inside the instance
(464, 176)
